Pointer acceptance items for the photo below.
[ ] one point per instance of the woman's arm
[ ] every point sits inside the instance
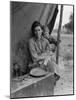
(35, 56)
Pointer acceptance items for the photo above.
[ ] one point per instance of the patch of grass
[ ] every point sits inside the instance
(68, 56)
(70, 45)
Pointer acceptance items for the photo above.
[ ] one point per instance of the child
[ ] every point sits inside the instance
(52, 41)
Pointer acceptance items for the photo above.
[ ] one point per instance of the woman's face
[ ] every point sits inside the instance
(38, 32)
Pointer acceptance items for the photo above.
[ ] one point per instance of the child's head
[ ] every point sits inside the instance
(45, 31)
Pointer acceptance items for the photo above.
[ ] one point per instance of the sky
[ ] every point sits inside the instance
(67, 10)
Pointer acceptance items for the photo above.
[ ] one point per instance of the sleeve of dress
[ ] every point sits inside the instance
(35, 56)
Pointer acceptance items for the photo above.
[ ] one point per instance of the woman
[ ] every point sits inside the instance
(40, 50)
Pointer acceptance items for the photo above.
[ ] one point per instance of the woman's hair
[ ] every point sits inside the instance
(35, 24)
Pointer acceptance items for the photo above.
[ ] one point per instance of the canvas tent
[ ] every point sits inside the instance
(22, 16)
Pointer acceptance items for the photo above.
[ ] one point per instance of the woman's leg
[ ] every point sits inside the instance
(50, 67)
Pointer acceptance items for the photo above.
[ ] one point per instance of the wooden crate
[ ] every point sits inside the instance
(43, 86)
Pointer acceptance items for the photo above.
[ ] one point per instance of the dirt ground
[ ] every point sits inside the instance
(64, 86)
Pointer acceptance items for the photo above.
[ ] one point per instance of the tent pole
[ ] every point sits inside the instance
(58, 36)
